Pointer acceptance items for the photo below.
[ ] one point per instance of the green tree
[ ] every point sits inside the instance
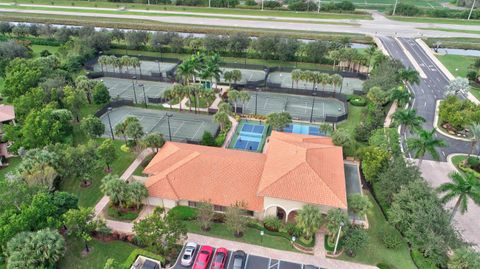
(221, 118)
(41, 249)
(464, 258)
(205, 215)
(355, 239)
(86, 85)
(462, 188)
(377, 96)
(101, 94)
(74, 99)
(134, 129)
(235, 218)
(115, 188)
(374, 161)
(234, 96)
(154, 140)
(400, 94)
(279, 120)
(425, 142)
(80, 223)
(359, 205)
(335, 217)
(208, 139)
(92, 126)
(309, 219)
(136, 193)
(159, 233)
(244, 97)
(107, 153)
(83, 162)
(113, 264)
(474, 129)
(121, 130)
(409, 75)
(409, 119)
(343, 138)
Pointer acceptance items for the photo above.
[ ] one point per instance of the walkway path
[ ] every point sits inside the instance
(318, 260)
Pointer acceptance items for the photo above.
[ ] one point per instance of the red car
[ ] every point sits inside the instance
(203, 257)
(219, 259)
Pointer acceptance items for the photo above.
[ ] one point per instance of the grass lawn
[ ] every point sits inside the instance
(457, 42)
(99, 254)
(354, 117)
(451, 30)
(13, 163)
(375, 252)
(39, 48)
(458, 65)
(435, 20)
(251, 236)
(227, 11)
(88, 197)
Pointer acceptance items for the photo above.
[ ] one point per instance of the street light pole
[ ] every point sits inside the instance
(338, 237)
(471, 10)
(169, 130)
(256, 101)
(395, 8)
(144, 96)
(159, 70)
(314, 93)
(134, 92)
(110, 122)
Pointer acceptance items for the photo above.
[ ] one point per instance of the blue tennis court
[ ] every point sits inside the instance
(303, 129)
(250, 137)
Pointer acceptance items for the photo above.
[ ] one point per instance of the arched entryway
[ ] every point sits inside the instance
(277, 211)
(292, 215)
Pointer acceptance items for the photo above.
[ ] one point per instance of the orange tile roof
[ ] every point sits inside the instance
(295, 167)
(7, 113)
(196, 173)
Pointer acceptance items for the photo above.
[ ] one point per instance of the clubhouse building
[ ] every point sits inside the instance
(294, 170)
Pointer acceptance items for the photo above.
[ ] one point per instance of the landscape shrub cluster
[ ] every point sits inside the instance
(411, 10)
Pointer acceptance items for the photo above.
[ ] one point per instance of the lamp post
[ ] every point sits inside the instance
(134, 92)
(169, 130)
(338, 238)
(314, 93)
(293, 239)
(256, 100)
(262, 233)
(109, 109)
(159, 70)
(144, 96)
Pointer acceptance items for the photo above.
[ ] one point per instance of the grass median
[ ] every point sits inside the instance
(434, 20)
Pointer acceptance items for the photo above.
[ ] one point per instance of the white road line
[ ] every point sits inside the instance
(425, 104)
(443, 152)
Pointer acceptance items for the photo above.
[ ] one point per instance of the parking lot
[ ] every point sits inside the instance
(251, 261)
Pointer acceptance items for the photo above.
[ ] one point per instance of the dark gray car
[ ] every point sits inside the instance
(239, 259)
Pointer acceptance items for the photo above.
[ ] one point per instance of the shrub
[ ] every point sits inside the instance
(208, 139)
(473, 161)
(390, 238)
(271, 4)
(183, 213)
(100, 94)
(421, 261)
(272, 223)
(250, 3)
(293, 230)
(356, 100)
(218, 217)
(384, 266)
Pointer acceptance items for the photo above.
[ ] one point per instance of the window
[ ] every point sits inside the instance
(248, 213)
(219, 208)
(192, 204)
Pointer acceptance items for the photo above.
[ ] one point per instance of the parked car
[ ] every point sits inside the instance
(189, 254)
(310, 267)
(239, 259)
(203, 257)
(220, 259)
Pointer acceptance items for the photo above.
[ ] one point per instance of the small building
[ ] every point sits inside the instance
(294, 170)
(143, 262)
(7, 116)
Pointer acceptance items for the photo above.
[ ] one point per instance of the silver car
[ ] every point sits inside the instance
(189, 254)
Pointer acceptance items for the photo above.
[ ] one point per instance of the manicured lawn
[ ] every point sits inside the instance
(37, 49)
(354, 117)
(13, 163)
(251, 236)
(435, 20)
(90, 196)
(458, 65)
(99, 254)
(375, 252)
(451, 30)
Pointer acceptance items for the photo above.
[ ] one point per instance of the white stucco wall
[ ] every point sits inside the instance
(270, 204)
(159, 202)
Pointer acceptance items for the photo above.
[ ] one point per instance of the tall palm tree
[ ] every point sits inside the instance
(335, 56)
(221, 118)
(324, 79)
(179, 91)
(112, 60)
(464, 186)
(400, 94)
(309, 219)
(185, 71)
(125, 60)
(425, 142)
(233, 96)
(335, 80)
(169, 94)
(103, 61)
(244, 98)
(474, 129)
(409, 75)
(135, 62)
(370, 51)
(409, 119)
(296, 76)
(121, 129)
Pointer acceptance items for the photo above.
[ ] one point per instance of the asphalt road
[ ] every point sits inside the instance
(251, 262)
(427, 92)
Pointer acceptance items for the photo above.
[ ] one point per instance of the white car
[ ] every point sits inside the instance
(189, 254)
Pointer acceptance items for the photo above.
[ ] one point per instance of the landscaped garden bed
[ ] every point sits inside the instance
(456, 115)
(467, 164)
(123, 214)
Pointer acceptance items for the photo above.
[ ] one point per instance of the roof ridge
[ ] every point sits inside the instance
(275, 181)
(177, 165)
(171, 186)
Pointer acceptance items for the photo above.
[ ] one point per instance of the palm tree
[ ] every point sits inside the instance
(121, 129)
(464, 186)
(409, 119)
(126, 61)
(103, 61)
(370, 51)
(296, 74)
(324, 79)
(135, 62)
(233, 96)
(358, 204)
(244, 97)
(400, 94)
(425, 142)
(409, 75)
(335, 56)
(225, 107)
(309, 219)
(179, 92)
(185, 70)
(236, 75)
(221, 118)
(169, 94)
(228, 77)
(474, 129)
(112, 60)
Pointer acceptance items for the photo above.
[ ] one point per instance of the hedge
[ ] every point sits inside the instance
(422, 262)
(136, 252)
(282, 234)
(356, 100)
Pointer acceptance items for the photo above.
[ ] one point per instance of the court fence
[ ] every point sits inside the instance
(113, 104)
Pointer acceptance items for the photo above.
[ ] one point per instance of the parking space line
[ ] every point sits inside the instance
(246, 260)
(229, 258)
(269, 262)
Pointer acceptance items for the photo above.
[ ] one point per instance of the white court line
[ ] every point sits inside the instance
(198, 129)
(178, 128)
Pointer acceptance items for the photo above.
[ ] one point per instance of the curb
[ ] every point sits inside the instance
(411, 59)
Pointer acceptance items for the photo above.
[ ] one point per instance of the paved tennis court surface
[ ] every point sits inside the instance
(297, 128)
(147, 67)
(184, 126)
(124, 88)
(252, 262)
(285, 80)
(299, 107)
(248, 75)
(249, 135)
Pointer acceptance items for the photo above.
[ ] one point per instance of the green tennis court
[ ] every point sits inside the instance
(184, 126)
(298, 106)
(285, 80)
(123, 88)
(248, 75)
(147, 67)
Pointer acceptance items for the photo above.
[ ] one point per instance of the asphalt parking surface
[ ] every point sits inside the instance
(251, 261)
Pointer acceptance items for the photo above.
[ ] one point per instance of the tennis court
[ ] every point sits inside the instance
(248, 75)
(249, 136)
(298, 106)
(184, 126)
(297, 128)
(147, 67)
(124, 88)
(285, 80)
